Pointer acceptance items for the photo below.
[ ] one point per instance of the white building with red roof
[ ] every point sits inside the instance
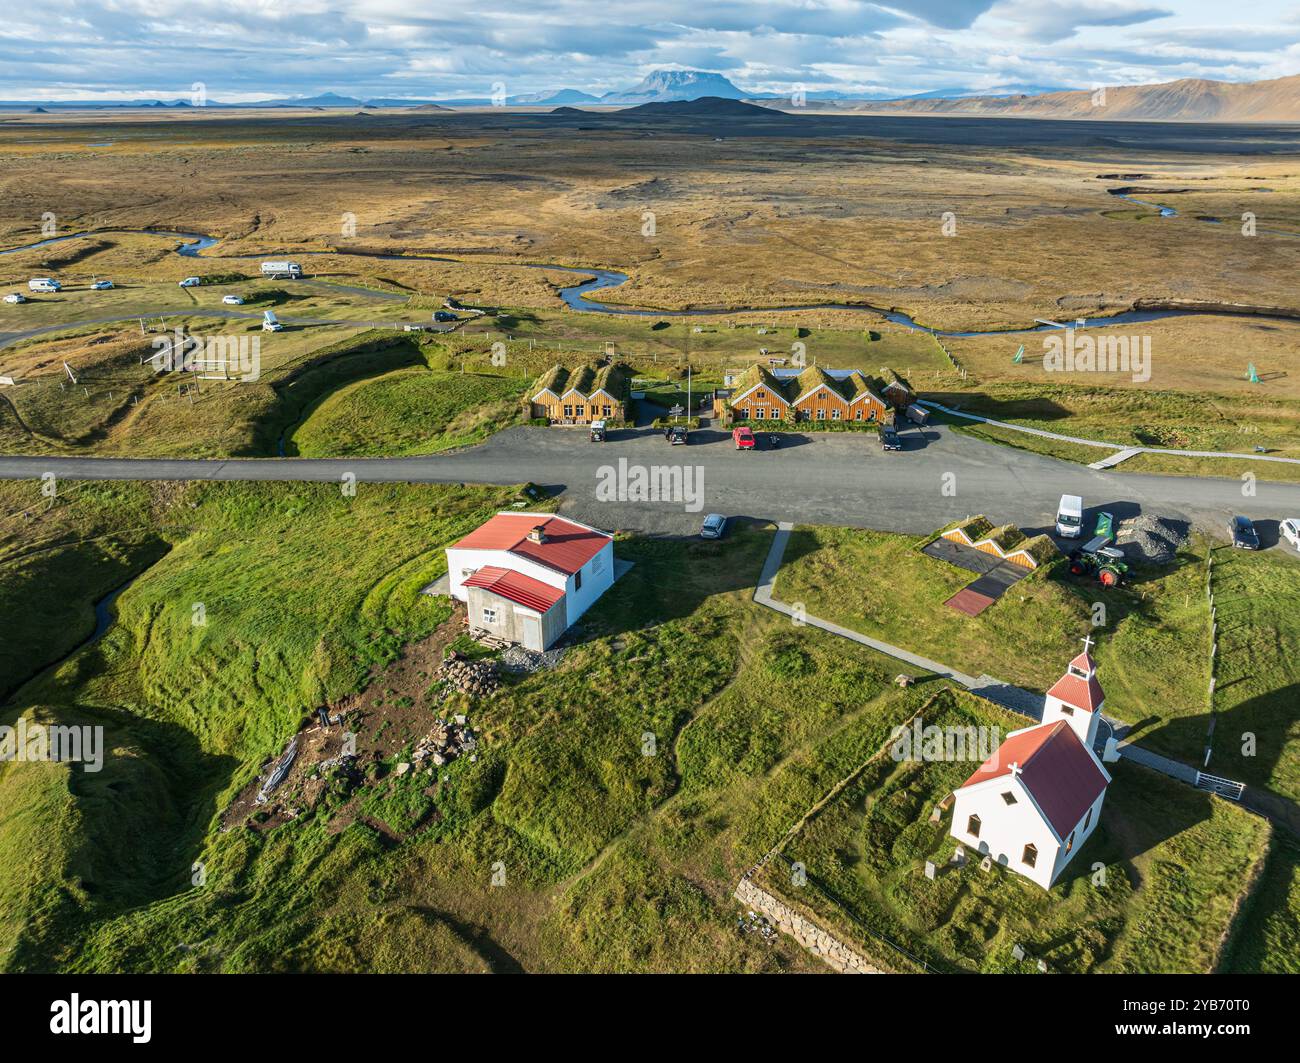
(1077, 697)
(1035, 801)
(526, 577)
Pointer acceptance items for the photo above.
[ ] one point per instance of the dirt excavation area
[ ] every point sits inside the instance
(387, 745)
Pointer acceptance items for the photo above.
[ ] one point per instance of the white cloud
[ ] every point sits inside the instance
(248, 49)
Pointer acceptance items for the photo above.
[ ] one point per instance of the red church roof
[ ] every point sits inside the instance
(567, 546)
(1074, 690)
(1055, 768)
(516, 587)
(1084, 663)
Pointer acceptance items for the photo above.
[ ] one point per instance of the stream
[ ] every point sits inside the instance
(575, 296)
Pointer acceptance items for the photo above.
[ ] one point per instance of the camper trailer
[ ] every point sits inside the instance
(281, 269)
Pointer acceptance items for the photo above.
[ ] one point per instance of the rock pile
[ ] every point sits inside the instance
(475, 678)
(1152, 540)
(445, 741)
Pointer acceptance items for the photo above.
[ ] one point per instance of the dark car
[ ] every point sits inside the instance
(443, 315)
(1243, 533)
(675, 434)
(889, 440)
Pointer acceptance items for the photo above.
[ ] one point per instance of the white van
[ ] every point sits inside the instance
(44, 284)
(1069, 517)
(271, 323)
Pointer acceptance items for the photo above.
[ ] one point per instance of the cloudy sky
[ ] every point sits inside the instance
(251, 49)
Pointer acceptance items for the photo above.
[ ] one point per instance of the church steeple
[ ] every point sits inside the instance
(1077, 696)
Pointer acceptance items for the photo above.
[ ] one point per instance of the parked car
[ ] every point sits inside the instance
(191, 282)
(443, 315)
(1243, 533)
(15, 297)
(1290, 530)
(597, 432)
(44, 284)
(233, 300)
(675, 434)
(890, 440)
(743, 437)
(1069, 517)
(101, 286)
(271, 323)
(713, 527)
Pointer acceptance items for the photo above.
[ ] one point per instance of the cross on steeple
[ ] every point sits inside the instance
(1087, 643)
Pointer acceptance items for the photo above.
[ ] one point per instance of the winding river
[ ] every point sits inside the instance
(575, 296)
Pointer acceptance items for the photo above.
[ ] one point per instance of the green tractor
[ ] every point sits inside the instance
(1099, 557)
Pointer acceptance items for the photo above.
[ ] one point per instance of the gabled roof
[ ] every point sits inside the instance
(810, 380)
(580, 381)
(553, 380)
(1082, 693)
(614, 379)
(757, 376)
(516, 587)
(1059, 772)
(567, 547)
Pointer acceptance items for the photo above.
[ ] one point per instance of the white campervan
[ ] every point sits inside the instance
(271, 323)
(1069, 517)
(44, 284)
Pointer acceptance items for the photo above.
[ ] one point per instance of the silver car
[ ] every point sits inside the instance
(713, 526)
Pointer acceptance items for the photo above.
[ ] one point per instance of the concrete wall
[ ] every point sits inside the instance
(509, 620)
(833, 952)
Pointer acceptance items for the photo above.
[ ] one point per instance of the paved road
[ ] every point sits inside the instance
(832, 478)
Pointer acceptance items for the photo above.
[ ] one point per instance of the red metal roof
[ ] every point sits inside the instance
(1054, 767)
(516, 587)
(1084, 662)
(1082, 693)
(567, 548)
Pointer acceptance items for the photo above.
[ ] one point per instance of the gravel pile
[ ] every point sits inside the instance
(522, 662)
(1153, 540)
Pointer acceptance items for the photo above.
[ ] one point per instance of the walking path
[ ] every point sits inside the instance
(1017, 699)
(1122, 453)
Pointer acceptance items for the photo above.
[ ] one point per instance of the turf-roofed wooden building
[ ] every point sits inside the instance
(583, 395)
(810, 394)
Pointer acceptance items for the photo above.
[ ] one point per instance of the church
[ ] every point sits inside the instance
(1033, 803)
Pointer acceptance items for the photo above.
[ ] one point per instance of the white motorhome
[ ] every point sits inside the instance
(1069, 517)
(44, 284)
(271, 323)
(282, 269)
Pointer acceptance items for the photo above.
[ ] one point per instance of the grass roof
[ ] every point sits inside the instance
(1041, 548)
(976, 527)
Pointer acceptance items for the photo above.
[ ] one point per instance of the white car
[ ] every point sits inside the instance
(15, 297)
(101, 286)
(191, 282)
(233, 300)
(1290, 530)
(713, 527)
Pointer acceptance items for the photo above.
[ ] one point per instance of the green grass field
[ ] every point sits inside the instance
(408, 411)
(1155, 888)
(1028, 635)
(614, 858)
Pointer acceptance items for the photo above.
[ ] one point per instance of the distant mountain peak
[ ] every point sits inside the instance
(668, 86)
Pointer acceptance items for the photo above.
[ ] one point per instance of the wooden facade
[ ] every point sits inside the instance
(813, 395)
(580, 396)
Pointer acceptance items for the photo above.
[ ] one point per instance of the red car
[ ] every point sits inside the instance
(743, 437)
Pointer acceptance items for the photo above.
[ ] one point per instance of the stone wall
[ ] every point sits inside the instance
(833, 952)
